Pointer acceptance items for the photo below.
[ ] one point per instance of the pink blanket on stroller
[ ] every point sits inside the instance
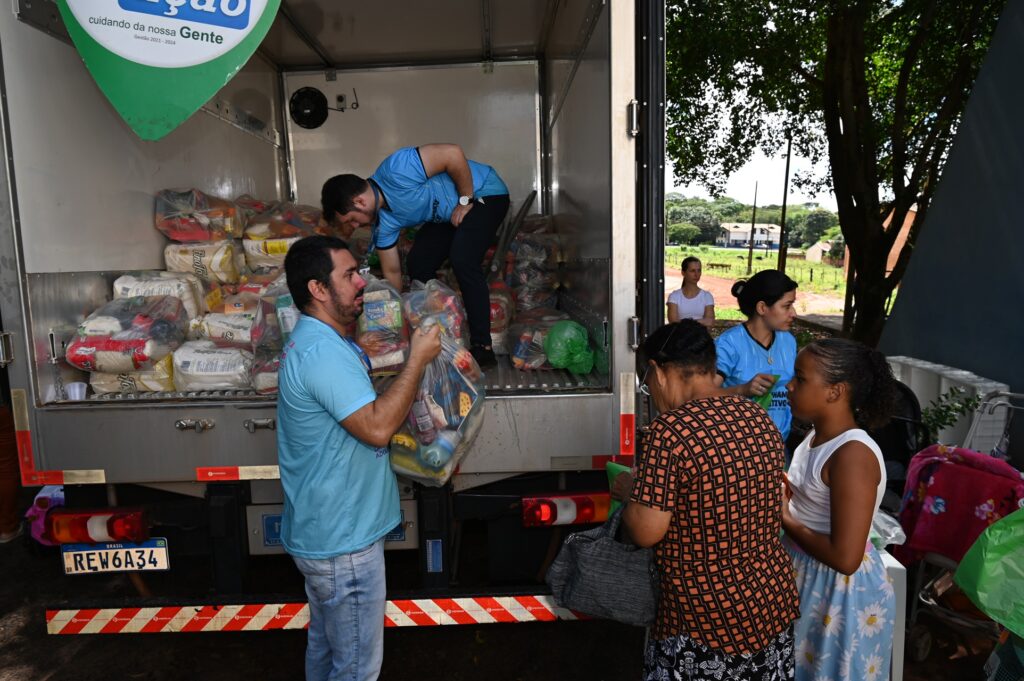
(951, 496)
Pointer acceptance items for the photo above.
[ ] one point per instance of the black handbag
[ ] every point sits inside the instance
(597, 575)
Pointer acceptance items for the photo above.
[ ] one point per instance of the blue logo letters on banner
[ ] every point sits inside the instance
(223, 13)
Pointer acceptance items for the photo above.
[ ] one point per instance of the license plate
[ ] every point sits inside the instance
(84, 559)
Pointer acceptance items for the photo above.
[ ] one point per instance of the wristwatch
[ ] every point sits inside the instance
(465, 200)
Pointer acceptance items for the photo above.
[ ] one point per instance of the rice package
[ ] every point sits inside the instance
(263, 250)
(190, 215)
(158, 379)
(444, 420)
(214, 261)
(380, 330)
(128, 334)
(435, 299)
(202, 366)
(182, 285)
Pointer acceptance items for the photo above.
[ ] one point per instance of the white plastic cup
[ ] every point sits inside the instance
(76, 391)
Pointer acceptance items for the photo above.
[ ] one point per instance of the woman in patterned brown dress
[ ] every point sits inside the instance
(707, 495)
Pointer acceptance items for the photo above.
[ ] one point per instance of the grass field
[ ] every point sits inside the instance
(731, 263)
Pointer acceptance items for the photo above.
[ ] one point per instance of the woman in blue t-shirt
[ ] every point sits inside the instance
(756, 358)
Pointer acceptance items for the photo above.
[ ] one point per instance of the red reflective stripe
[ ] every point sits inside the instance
(201, 618)
(286, 614)
(217, 473)
(597, 462)
(120, 620)
(536, 608)
(78, 621)
(627, 434)
(415, 613)
(30, 477)
(388, 622)
(160, 620)
(495, 610)
(455, 611)
(242, 618)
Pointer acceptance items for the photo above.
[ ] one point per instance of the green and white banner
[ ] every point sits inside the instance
(158, 61)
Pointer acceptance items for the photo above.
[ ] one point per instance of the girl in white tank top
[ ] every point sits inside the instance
(835, 484)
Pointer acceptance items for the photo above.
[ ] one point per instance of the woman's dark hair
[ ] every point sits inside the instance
(874, 395)
(685, 344)
(309, 259)
(337, 194)
(767, 285)
(687, 262)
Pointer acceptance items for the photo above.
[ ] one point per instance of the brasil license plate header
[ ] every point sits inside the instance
(84, 559)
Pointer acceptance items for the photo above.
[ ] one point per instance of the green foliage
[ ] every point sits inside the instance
(875, 87)
(946, 410)
(683, 233)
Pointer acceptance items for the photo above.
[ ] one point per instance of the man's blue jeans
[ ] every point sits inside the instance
(346, 615)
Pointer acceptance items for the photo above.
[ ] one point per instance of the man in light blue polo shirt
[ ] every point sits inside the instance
(460, 202)
(333, 432)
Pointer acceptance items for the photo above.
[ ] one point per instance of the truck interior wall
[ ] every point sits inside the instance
(85, 181)
(491, 110)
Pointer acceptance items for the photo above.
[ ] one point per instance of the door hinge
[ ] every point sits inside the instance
(633, 116)
(6, 348)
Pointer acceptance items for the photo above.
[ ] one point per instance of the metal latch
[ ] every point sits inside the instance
(252, 425)
(6, 348)
(198, 425)
(633, 332)
(633, 116)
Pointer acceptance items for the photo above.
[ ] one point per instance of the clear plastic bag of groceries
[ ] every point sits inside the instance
(435, 299)
(250, 208)
(158, 379)
(287, 221)
(445, 417)
(286, 314)
(502, 311)
(242, 322)
(213, 261)
(380, 330)
(264, 372)
(201, 366)
(190, 215)
(181, 285)
(526, 338)
(128, 334)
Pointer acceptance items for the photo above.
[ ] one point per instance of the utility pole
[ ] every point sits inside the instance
(750, 251)
(783, 237)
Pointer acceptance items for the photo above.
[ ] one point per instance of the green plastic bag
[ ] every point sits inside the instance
(991, 573)
(766, 400)
(612, 470)
(568, 347)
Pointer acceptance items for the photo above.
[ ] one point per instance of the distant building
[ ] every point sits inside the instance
(735, 234)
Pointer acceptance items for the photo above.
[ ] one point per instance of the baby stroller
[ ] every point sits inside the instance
(952, 494)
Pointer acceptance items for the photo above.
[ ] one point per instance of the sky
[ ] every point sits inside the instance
(769, 174)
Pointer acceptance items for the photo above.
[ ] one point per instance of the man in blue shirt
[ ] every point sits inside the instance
(333, 431)
(460, 202)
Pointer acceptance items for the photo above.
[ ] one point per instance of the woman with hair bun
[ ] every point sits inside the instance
(756, 358)
(836, 482)
(690, 301)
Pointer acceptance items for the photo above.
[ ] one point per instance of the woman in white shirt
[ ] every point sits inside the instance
(690, 301)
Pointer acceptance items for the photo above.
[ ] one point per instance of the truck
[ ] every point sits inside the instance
(565, 98)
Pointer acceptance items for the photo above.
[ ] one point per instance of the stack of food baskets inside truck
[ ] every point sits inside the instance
(952, 496)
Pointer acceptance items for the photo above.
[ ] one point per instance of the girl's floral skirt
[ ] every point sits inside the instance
(845, 630)
(681, 658)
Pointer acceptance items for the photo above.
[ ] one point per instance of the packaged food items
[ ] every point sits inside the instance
(213, 261)
(182, 285)
(249, 208)
(190, 215)
(264, 372)
(263, 249)
(502, 307)
(444, 419)
(380, 330)
(288, 220)
(202, 366)
(158, 379)
(434, 299)
(128, 334)
(567, 346)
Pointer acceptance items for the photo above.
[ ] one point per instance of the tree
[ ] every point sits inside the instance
(878, 87)
(813, 226)
(683, 233)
